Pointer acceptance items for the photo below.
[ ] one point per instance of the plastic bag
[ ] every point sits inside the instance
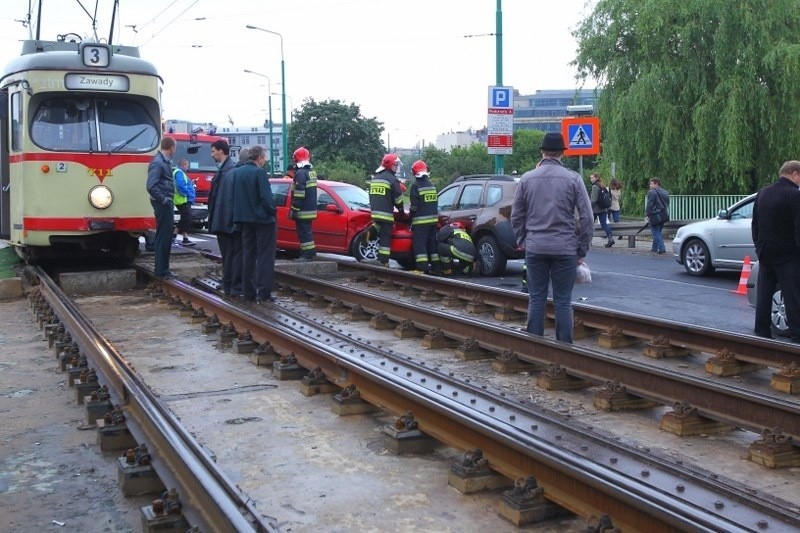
(584, 275)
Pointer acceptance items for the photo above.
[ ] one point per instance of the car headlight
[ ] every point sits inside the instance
(100, 197)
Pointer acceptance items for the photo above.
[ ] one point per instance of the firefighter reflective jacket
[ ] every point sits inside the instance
(424, 206)
(384, 195)
(304, 193)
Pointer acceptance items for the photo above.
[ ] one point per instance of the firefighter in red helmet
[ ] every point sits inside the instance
(424, 217)
(385, 195)
(304, 201)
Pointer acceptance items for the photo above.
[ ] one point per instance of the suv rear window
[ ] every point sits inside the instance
(494, 194)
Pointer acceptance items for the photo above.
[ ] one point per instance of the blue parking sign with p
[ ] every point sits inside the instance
(501, 97)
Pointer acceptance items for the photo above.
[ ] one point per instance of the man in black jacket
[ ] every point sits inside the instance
(254, 212)
(220, 219)
(161, 187)
(776, 234)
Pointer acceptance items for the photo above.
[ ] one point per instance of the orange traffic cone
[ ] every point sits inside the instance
(742, 289)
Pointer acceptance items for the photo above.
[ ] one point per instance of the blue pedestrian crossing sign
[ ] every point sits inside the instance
(581, 135)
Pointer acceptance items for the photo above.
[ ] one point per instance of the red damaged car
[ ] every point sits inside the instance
(343, 215)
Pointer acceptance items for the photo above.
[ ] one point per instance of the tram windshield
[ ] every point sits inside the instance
(94, 125)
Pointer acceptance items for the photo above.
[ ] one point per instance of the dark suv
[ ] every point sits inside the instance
(482, 202)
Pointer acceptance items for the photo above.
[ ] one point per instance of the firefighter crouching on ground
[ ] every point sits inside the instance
(424, 216)
(455, 244)
(304, 201)
(385, 194)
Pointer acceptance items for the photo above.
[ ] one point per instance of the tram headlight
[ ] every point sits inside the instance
(100, 197)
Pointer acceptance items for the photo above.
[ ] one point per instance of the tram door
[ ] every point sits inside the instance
(5, 175)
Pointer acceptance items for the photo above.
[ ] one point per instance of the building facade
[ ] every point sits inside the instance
(247, 136)
(544, 110)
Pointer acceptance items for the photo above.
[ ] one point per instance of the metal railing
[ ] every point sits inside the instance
(700, 207)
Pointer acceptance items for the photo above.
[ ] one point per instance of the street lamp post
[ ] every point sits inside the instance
(269, 100)
(283, 93)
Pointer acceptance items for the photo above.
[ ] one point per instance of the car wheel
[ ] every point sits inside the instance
(696, 258)
(493, 260)
(780, 326)
(364, 250)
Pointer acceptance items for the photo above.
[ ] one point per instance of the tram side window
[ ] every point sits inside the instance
(125, 126)
(16, 122)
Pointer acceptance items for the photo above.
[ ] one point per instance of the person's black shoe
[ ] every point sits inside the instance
(266, 299)
(149, 248)
(168, 275)
(187, 242)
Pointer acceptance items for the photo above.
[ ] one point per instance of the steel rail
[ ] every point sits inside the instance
(723, 402)
(446, 410)
(209, 498)
(747, 348)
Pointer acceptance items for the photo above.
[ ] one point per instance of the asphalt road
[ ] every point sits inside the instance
(655, 286)
(634, 281)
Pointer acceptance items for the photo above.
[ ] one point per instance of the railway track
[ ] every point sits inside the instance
(577, 468)
(211, 501)
(756, 408)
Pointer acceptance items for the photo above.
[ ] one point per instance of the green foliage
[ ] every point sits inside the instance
(341, 170)
(694, 92)
(333, 130)
(526, 151)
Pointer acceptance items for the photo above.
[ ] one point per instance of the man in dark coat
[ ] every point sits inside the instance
(161, 187)
(254, 212)
(776, 234)
(220, 220)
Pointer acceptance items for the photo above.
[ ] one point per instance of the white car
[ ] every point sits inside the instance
(721, 242)
(780, 328)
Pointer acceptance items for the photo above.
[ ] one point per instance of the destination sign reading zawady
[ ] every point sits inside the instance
(97, 82)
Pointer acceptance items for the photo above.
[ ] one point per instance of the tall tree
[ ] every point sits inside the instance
(526, 151)
(701, 94)
(333, 130)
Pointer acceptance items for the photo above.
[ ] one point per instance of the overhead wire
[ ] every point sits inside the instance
(168, 24)
(137, 27)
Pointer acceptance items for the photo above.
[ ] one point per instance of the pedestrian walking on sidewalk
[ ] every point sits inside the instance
(657, 211)
(601, 202)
